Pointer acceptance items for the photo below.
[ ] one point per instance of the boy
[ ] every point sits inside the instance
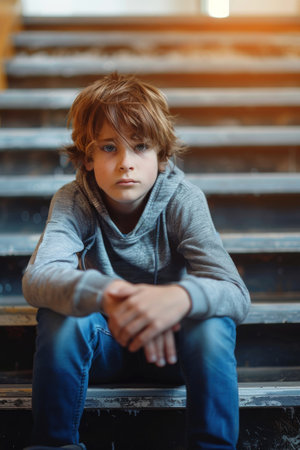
(130, 276)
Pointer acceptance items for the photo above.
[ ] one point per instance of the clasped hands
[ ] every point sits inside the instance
(146, 316)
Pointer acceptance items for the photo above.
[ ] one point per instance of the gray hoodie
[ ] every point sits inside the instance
(81, 250)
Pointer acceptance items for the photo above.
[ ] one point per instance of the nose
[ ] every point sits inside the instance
(126, 162)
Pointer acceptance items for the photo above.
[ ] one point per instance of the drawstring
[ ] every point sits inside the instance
(156, 251)
(86, 249)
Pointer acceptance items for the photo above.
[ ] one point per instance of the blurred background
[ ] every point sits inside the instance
(215, 8)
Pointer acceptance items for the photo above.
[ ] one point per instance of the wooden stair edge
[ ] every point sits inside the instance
(251, 395)
(171, 23)
(242, 183)
(17, 244)
(269, 137)
(22, 314)
(62, 98)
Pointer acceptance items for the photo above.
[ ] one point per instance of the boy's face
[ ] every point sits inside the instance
(125, 170)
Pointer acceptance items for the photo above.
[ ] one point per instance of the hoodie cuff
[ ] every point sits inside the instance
(198, 305)
(88, 297)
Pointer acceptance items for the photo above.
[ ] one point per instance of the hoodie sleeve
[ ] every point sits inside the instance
(212, 280)
(52, 278)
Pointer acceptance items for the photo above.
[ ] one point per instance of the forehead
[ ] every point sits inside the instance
(107, 131)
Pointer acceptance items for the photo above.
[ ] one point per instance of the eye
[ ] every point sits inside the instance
(109, 148)
(141, 147)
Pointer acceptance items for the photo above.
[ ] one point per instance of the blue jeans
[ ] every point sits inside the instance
(72, 352)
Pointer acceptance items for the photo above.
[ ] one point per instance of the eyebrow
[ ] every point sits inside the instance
(107, 139)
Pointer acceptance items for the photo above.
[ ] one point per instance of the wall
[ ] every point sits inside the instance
(265, 7)
(10, 11)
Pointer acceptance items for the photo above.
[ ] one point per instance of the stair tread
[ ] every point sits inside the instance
(259, 313)
(177, 97)
(264, 394)
(66, 65)
(236, 243)
(142, 39)
(211, 136)
(175, 22)
(220, 184)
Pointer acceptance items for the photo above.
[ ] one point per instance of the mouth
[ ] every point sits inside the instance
(126, 181)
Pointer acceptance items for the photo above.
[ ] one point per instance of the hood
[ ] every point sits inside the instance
(161, 193)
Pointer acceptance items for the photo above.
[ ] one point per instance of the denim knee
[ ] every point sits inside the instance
(210, 339)
(59, 335)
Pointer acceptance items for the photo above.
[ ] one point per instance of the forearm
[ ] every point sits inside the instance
(64, 290)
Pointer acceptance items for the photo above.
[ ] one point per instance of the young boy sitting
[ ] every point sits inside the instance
(130, 277)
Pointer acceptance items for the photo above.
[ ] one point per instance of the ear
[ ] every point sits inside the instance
(89, 165)
(162, 166)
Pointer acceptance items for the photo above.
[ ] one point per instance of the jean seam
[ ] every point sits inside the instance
(76, 416)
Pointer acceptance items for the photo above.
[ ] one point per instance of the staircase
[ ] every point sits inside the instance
(234, 86)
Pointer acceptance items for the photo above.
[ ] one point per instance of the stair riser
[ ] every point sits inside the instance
(238, 159)
(231, 213)
(281, 116)
(167, 80)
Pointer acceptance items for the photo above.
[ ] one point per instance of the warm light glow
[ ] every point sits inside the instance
(218, 8)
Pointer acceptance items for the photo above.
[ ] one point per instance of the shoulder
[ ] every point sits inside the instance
(70, 204)
(188, 209)
(186, 195)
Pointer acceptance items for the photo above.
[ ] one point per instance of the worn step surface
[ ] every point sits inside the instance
(265, 24)
(14, 310)
(190, 106)
(171, 71)
(161, 42)
(235, 243)
(28, 99)
(218, 184)
(263, 136)
(251, 395)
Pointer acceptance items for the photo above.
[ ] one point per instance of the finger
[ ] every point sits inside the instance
(150, 352)
(170, 347)
(125, 330)
(120, 289)
(160, 354)
(176, 327)
(150, 332)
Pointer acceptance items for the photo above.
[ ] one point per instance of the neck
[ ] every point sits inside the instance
(124, 216)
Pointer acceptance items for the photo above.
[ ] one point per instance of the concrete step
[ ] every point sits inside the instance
(191, 106)
(15, 311)
(200, 137)
(164, 71)
(251, 395)
(28, 99)
(211, 184)
(187, 23)
(147, 42)
(18, 244)
(68, 66)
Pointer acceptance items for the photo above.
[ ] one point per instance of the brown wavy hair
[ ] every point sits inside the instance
(126, 103)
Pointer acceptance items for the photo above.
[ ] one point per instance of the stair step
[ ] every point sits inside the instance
(235, 243)
(162, 42)
(68, 66)
(211, 184)
(251, 395)
(202, 137)
(14, 310)
(181, 97)
(245, 375)
(187, 23)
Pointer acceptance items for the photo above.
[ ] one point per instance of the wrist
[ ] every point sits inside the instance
(185, 299)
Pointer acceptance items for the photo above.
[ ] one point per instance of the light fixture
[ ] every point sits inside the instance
(217, 8)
